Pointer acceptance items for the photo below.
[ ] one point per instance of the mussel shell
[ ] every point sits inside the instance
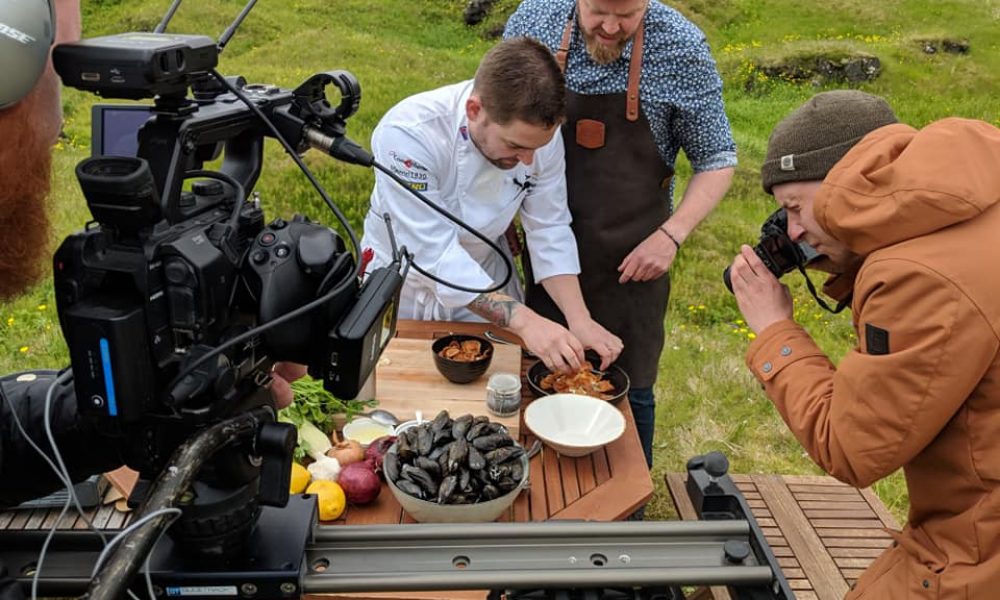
(390, 465)
(449, 486)
(461, 426)
(411, 488)
(477, 461)
(431, 466)
(421, 478)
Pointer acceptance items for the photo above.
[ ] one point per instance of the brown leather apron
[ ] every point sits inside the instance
(618, 189)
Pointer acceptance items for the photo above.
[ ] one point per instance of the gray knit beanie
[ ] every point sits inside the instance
(806, 144)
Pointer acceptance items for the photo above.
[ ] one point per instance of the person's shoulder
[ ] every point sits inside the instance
(537, 18)
(668, 29)
(428, 112)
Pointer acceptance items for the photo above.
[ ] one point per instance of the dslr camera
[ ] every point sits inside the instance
(776, 250)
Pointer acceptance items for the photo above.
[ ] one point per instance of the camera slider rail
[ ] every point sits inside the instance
(289, 555)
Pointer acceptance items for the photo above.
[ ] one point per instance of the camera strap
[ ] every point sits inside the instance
(812, 290)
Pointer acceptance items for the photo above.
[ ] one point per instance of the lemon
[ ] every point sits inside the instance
(330, 499)
(300, 479)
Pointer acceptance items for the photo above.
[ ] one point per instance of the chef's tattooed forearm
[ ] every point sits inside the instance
(495, 308)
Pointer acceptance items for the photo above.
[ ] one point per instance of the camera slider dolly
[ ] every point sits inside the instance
(290, 555)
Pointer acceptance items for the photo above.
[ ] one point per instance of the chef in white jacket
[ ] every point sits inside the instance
(486, 150)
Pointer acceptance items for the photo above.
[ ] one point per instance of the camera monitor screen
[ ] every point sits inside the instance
(114, 129)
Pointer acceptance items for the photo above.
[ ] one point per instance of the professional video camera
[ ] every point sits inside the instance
(776, 250)
(175, 303)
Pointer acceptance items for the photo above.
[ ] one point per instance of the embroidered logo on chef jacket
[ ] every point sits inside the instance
(408, 163)
(410, 170)
(464, 131)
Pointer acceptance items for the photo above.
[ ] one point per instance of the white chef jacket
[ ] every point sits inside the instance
(425, 140)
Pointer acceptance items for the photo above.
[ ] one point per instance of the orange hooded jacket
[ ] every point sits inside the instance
(922, 389)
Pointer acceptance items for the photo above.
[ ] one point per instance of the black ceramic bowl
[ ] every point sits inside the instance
(457, 371)
(615, 374)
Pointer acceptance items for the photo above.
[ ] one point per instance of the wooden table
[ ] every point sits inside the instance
(607, 485)
(824, 533)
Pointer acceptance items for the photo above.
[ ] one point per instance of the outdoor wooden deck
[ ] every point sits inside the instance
(824, 533)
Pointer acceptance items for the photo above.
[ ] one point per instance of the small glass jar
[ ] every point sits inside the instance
(503, 394)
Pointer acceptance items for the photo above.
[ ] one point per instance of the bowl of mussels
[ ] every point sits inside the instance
(463, 470)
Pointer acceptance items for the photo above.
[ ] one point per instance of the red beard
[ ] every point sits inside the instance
(25, 168)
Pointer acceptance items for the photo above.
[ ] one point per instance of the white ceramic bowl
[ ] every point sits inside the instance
(573, 424)
(424, 511)
(365, 430)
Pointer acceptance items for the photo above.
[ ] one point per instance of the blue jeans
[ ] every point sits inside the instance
(644, 412)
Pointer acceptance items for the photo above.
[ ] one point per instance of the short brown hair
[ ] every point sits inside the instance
(520, 79)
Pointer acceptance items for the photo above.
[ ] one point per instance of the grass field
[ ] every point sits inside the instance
(707, 399)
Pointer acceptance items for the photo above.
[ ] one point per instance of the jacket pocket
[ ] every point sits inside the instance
(880, 579)
(898, 576)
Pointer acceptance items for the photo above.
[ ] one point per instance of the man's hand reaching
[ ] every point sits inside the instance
(594, 336)
(282, 376)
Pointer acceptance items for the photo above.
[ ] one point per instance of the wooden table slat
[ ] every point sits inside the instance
(823, 489)
(854, 533)
(537, 500)
(866, 542)
(834, 505)
(569, 477)
(846, 523)
(830, 499)
(876, 505)
(827, 513)
(854, 562)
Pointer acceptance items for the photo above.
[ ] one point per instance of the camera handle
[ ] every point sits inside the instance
(166, 492)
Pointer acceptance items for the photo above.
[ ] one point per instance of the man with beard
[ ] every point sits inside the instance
(641, 86)
(28, 127)
(486, 150)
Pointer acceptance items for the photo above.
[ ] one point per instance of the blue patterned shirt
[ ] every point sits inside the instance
(680, 90)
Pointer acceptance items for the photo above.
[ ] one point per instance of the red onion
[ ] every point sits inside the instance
(377, 449)
(360, 483)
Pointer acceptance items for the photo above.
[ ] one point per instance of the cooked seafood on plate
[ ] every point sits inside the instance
(586, 381)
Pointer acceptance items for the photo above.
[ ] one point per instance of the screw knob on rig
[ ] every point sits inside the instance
(716, 464)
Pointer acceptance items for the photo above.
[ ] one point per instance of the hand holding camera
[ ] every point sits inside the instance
(762, 299)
